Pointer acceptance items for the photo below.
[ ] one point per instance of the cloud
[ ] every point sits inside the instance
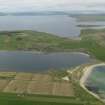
(41, 5)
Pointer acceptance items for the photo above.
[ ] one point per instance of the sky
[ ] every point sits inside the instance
(51, 5)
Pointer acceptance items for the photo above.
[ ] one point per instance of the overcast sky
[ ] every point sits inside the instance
(43, 5)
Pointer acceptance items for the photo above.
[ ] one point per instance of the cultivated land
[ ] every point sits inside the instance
(27, 83)
(49, 89)
(44, 89)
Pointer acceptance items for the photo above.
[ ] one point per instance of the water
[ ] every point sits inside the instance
(59, 25)
(96, 81)
(31, 62)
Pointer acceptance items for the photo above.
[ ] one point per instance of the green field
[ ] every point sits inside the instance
(12, 99)
(91, 41)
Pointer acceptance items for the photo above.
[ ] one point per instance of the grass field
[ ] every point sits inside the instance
(92, 41)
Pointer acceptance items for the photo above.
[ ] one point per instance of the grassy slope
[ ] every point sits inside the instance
(92, 41)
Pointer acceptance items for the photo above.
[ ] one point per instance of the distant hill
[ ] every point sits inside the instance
(36, 13)
(2, 14)
(39, 13)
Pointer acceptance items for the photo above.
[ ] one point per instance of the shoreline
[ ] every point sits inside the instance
(86, 72)
(42, 52)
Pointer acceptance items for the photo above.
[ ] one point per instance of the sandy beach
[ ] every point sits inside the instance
(86, 72)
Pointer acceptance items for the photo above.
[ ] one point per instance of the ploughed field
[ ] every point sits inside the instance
(28, 83)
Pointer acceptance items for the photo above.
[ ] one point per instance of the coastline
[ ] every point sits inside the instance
(42, 52)
(86, 72)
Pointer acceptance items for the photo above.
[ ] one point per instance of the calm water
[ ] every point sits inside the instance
(96, 81)
(30, 62)
(59, 25)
